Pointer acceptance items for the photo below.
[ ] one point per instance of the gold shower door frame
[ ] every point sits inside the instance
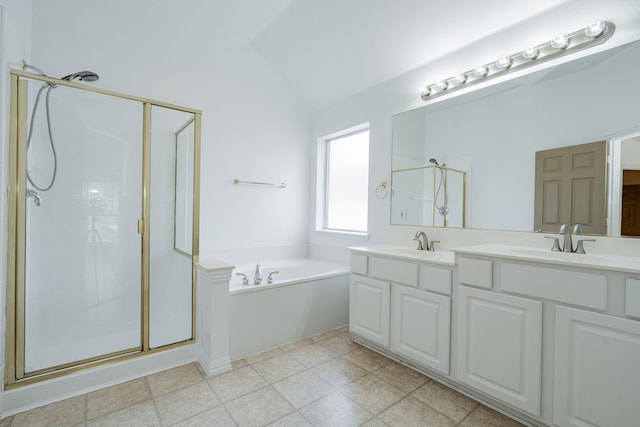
(16, 242)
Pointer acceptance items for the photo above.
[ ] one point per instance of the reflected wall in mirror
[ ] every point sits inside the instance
(183, 231)
(431, 195)
(493, 135)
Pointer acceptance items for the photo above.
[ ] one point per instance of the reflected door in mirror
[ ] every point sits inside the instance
(570, 188)
(630, 203)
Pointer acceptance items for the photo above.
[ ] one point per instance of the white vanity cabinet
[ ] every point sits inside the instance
(500, 346)
(597, 369)
(553, 337)
(421, 326)
(403, 305)
(369, 305)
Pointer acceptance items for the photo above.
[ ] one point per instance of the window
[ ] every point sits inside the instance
(343, 180)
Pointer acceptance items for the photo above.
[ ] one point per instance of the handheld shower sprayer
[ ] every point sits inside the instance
(88, 76)
(444, 208)
(83, 76)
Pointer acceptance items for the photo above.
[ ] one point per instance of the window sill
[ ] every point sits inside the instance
(351, 236)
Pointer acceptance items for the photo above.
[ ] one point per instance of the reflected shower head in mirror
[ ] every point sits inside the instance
(83, 76)
(434, 161)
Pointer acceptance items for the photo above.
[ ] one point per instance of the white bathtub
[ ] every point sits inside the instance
(306, 297)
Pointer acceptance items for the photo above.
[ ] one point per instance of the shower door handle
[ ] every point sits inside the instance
(141, 227)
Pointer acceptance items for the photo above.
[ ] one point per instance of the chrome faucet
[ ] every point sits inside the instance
(36, 197)
(423, 242)
(567, 244)
(257, 276)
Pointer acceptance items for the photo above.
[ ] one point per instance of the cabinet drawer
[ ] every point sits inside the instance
(435, 279)
(632, 298)
(359, 264)
(394, 270)
(573, 287)
(475, 272)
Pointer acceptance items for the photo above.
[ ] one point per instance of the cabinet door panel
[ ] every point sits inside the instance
(500, 346)
(597, 370)
(421, 326)
(369, 309)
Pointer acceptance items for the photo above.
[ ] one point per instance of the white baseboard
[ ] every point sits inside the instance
(213, 367)
(30, 396)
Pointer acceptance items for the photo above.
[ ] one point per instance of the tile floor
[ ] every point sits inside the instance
(325, 380)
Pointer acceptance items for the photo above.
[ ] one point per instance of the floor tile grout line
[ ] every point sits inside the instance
(375, 415)
(436, 409)
(88, 419)
(86, 409)
(153, 401)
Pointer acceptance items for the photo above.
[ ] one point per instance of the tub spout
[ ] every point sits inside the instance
(257, 277)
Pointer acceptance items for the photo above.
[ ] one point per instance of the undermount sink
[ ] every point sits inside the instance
(574, 257)
(440, 257)
(629, 264)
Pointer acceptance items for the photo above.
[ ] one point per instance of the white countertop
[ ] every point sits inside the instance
(628, 264)
(437, 257)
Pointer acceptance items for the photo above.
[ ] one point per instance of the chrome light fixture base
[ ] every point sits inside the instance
(561, 45)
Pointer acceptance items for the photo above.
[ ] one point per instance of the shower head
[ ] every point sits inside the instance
(434, 161)
(84, 76)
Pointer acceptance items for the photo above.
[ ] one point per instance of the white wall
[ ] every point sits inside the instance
(254, 126)
(631, 153)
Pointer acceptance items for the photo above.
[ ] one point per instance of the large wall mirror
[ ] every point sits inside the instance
(493, 135)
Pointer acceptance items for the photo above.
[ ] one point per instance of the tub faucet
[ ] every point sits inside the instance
(257, 277)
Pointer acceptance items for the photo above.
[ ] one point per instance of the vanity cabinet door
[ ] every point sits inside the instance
(369, 309)
(500, 346)
(597, 370)
(420, 325)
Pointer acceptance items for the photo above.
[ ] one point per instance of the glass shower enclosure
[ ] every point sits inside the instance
(103, 227)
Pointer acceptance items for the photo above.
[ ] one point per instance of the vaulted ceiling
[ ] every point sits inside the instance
(329, 50)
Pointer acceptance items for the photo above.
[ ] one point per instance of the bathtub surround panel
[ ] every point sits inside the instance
(283, 272)
(213, 332)
(266, 316)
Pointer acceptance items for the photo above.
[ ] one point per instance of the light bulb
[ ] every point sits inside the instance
(561, 41)
(480, 71)
(441, 85)
(425, 92)
(530, 53)
(595, 29)
(503, 63)
(459, 79)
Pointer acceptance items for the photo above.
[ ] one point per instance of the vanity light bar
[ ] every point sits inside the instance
(561, 45)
